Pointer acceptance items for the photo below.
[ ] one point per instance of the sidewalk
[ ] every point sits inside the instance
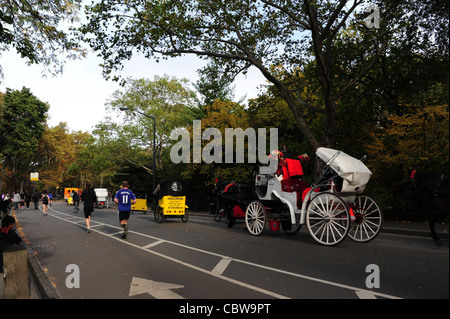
(42, 288)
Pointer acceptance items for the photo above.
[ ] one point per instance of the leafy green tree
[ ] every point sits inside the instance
(22, 125)
(418, 140)
(262, 34)
(61, 158)
(169, 100)
(222, 115)
(214, 83)
(269, 110)
(54, 155)
(33, 29)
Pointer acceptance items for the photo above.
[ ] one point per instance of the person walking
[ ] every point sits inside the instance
(45, 200)
(36, 200)
(16, 200)
(124, 198)
(22, 200)
(89, 199)
(27, 200)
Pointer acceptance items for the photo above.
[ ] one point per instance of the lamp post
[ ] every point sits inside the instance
(154, 146)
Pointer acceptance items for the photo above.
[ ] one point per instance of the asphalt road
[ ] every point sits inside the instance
(202, 259)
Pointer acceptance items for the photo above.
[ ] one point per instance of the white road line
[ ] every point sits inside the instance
(221, 266)
(73, 217)
(153, 244)
(358, 291)
(365, 294)
(116, 233)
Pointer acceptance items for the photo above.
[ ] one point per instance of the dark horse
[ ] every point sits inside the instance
(431, 189)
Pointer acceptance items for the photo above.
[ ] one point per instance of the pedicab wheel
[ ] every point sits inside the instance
(368, 219)
(158, 214)
(184, 218)
(255, 218)
(328, 219)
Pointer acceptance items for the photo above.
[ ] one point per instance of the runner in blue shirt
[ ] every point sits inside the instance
(124, 198)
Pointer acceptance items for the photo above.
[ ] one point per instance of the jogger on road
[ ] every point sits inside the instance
(89, 199)
(124, 198)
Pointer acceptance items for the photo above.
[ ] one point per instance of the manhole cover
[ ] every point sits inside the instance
(43, 248)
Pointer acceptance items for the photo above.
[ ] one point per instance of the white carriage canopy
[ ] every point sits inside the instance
(355, 174)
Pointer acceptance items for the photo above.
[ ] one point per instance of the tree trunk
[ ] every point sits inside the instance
(293, 105)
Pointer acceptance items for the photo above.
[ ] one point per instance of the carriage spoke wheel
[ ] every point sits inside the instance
(327, 219)
(368, 219)
(158, 215)
(255, 218)
(185, 217)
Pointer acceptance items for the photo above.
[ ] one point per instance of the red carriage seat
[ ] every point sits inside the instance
(292, 168)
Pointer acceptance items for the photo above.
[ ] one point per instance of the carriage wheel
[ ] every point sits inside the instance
(185, 217)
(255, 218)
(328, 219)
(368, 219)
(158, 214)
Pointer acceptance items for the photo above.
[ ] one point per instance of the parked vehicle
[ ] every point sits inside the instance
(68, 194)
(102, 197)
(141, 201)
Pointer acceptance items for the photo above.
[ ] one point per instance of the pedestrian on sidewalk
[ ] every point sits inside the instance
(36, 200)
(89, 199)
(45, 200)
(16, 200)
(27, 200)
(8, 236)
(124, 198)
(22, 200)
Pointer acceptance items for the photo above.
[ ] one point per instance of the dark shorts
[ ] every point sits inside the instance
(87, 211)
(124, 215)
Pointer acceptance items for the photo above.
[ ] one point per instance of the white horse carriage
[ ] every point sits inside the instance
(332, 208)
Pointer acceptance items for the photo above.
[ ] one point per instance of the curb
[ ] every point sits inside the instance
(44, 286)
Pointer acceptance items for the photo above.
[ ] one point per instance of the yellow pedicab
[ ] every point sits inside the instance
(171, 199)
(141, 201)
(68, 194)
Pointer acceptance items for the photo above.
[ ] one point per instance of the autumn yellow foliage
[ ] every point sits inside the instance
(418, 139)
